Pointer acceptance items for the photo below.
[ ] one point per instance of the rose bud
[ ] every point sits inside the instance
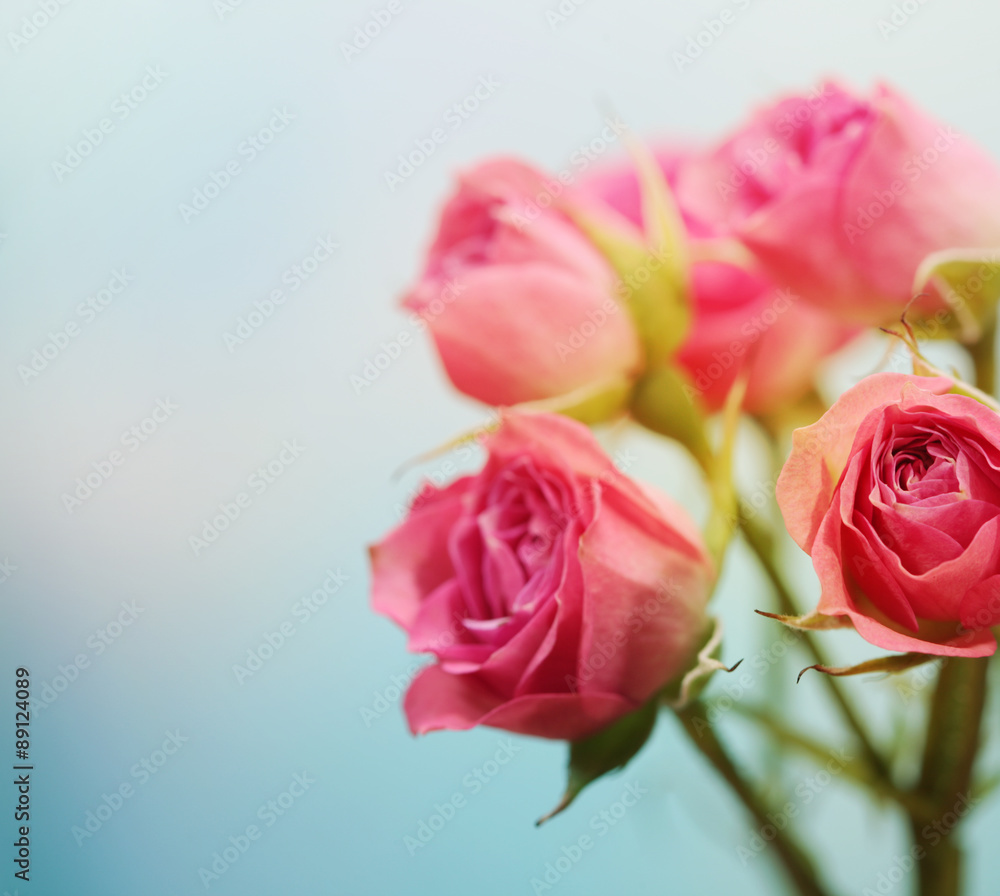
(895, 493)
(843, 197)
(519, 301)
(556, 594)
(742, 319)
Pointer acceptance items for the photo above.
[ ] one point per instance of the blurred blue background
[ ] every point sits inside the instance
(225, 145)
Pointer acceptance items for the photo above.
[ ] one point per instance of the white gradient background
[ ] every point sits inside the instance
(324, 175)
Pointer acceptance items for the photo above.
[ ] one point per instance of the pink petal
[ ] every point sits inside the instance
(646, 595)
(412, 560)
(981, 604)
(437, 701)
(820, 452)
(508, 336)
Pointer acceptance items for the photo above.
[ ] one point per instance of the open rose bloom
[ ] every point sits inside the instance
(556, 594)
(841, 197)
(895, 493)
(558, 598)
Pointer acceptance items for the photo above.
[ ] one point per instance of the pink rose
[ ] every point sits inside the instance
(741, 317)
(895, 492)
(508, 280)
(556, 594)
(842, 197)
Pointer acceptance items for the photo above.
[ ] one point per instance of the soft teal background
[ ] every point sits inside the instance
(163, 337)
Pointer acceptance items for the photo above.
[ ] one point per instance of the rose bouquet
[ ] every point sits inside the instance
(695, 292)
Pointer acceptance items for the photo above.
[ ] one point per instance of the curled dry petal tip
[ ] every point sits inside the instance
(887, 664)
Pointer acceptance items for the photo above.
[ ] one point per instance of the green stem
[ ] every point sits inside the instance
(857, 770)
(953, 732)
(760, 542)
(954, 725)
(984, 357)
(795, 861)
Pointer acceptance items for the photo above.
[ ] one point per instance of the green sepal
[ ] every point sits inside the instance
(898, 662)
(607, 751)
(811, 622)
(968, 282)
(653, 266)
(591, 404)
(665, 402)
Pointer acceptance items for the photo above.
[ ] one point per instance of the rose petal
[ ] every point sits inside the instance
(438, 701)
(412, 560)
(981, 604)
(506, 337)
(820, 452)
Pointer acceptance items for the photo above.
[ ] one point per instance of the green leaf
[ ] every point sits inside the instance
(968, 281)
(608, 750)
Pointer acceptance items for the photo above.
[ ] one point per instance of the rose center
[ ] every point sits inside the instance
(924, 470)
